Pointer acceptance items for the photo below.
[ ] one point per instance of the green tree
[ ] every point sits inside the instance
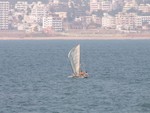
(98, 13)
(70, 14)
(20, 17)
(132, 10)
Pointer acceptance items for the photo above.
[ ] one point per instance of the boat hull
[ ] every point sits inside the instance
(74, 76)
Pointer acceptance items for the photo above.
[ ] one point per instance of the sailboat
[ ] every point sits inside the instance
(74, 58)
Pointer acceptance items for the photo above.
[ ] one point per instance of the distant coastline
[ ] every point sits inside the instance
(73, 36)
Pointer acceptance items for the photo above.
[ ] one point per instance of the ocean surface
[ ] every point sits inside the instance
(34, 77)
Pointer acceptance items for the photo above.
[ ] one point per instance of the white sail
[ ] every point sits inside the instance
(74, 57)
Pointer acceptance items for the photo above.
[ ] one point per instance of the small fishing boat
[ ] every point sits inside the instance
(74, 58)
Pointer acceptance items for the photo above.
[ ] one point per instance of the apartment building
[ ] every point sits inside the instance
(94, 5)
(108, 21)
(62, 15)
(38, 11)
(4, 11)
(86, 20)
(144, 8)
(138, 21)
(96, 19)
(125, 20)
(129, 5)
(52, 22)
(146, 19)
(21, 5)
(56, 2)
(106, 6)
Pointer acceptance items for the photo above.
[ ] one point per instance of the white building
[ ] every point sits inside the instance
(38, 11)
(56, 2)
(106, 5)
(108, 21)
(62, 15)
(21, 5)
(144, 8)
(53, 23)
(126, 20)
(145, 19)
(138, 21)
(86, 19)
(4, 10)
(29, 19)
(94, 5)
(129, 5)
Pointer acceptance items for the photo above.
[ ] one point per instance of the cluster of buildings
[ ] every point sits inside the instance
(62, 16)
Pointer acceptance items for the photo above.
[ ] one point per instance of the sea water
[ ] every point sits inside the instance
(34, 77)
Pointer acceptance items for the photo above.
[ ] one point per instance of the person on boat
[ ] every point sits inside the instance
(81, 73)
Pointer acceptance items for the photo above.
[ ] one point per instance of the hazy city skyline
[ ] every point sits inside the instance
(56, 16)
(46, 1)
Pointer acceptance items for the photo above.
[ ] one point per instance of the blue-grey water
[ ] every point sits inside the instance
(34, 77)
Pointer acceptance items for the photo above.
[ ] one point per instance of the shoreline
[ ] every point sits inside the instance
(15, 35)
(75, 38)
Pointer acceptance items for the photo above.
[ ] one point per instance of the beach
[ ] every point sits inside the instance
(72, 36)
